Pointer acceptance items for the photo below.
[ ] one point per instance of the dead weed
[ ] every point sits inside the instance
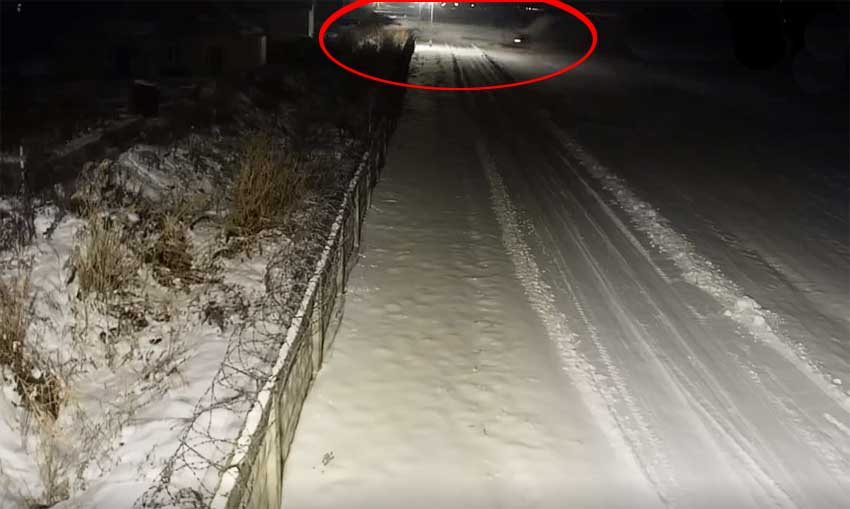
(40, 390)
(103, 263)
(268, 186)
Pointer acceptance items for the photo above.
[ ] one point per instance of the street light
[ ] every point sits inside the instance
(430, 6)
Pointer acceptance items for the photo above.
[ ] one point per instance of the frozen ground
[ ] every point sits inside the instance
(622, 286)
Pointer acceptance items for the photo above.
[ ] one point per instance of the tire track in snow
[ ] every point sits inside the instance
(580, 371)
(687, 391)
(622, 413)
(630, 432)
(736, 443)
(701, 272)
(838, 424)
(738, 437)
(834, 455)
(749, 450)
(631, 423)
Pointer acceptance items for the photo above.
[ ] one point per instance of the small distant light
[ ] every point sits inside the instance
(472, 5)
(19, 7)
(517, 40)
(456, 4)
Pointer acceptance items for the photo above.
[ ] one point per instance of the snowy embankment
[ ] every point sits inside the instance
(156, 376)
(153, 298)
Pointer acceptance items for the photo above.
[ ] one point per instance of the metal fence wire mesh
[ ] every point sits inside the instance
(259, 475)
(251, 475)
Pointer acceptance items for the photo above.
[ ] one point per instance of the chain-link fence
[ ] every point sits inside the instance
(265, 441)
(252, 474)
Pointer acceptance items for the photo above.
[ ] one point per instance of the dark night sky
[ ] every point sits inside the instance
(42, 28)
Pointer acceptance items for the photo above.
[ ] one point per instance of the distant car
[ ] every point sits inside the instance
(520, 38)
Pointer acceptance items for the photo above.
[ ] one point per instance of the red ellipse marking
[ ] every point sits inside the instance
(554, 3)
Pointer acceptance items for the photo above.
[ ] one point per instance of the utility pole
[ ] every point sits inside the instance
(432, 12)
(311, 20)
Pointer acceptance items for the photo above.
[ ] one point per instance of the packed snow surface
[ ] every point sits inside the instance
(549, 314)
(442, 389)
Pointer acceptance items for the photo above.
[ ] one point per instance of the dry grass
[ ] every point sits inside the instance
(52, 466)
(103, 264)
(41, 392)
(377, 37)
(16, 309)
(268, 186)
(393, 39)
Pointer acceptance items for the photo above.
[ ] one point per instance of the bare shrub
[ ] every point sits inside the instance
(268, 186)
(377, 37)
(103, 264)
(401, 37)
(170, 250)
(92, 187)
(17, 226)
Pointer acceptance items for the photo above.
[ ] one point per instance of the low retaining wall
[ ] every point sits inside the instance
(256, 477)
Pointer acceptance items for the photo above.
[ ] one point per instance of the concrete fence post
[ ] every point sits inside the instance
(314, 333)
(356, 199)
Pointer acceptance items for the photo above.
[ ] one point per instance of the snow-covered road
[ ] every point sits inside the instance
(443, 389)
(528, 329)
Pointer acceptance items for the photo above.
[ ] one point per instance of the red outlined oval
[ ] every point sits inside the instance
(554, 3)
